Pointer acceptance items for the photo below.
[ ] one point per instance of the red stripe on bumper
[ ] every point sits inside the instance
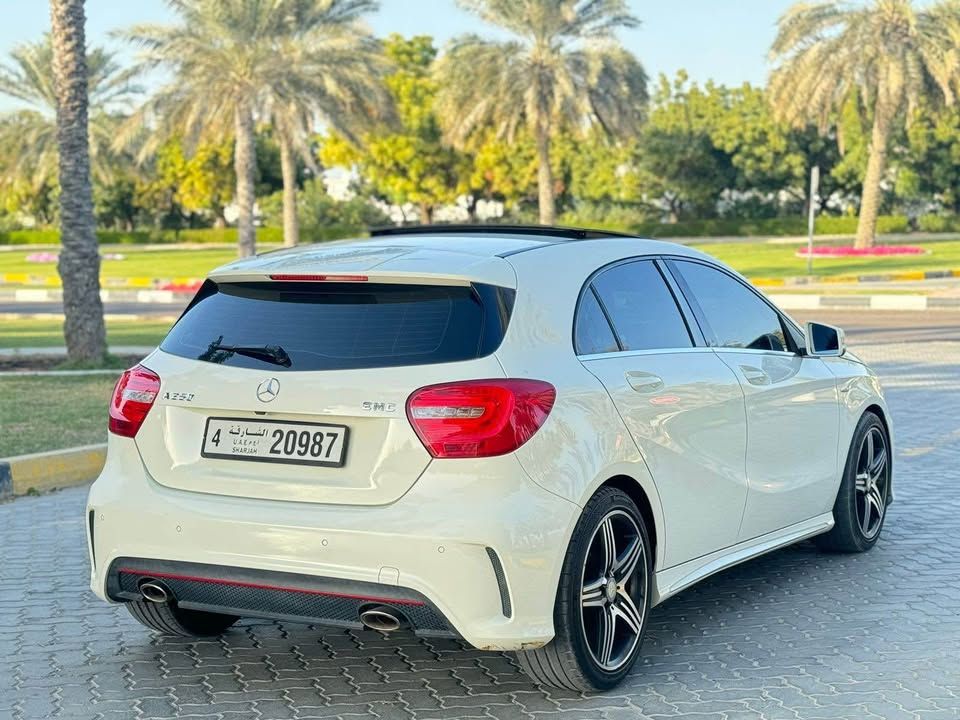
(261, 586)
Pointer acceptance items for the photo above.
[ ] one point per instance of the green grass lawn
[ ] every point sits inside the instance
(765, 260)
(49, 413)
(751, 259)
(30, 332)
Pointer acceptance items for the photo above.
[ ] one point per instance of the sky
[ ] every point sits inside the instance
(723, 40)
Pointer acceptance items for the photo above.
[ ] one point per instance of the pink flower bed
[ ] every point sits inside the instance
(848, 251)
(42, 257)
(181, 287)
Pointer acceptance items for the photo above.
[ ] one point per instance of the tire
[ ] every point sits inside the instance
(865, 488)
(168, 619)
(575, 658)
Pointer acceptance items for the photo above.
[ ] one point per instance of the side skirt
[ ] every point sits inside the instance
(672, 580)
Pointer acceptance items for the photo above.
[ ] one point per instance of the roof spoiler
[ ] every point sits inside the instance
(480, 229)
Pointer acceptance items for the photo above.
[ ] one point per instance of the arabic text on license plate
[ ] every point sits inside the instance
(280, 441)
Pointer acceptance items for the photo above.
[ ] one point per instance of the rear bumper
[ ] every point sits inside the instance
(274, 595)
(434, 544)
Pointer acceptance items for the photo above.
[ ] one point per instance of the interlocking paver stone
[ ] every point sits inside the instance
(796, 634)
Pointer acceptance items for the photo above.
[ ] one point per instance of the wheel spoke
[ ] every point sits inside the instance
(876, 500)
(624, 607)
(865, 523)
(609, 545)
(878, 466)
(869, 449)
(592, 594)
(607, 628)
(626, 564)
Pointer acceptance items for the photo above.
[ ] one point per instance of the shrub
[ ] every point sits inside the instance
(143, 237)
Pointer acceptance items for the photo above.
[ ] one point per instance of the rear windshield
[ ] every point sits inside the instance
(335, 326)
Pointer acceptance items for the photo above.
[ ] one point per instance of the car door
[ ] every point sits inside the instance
(791, 400)
(682, 405)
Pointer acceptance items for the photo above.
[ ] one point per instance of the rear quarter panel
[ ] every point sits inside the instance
(584, 442)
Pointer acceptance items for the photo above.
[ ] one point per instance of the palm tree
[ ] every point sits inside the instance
(234, 59)
(888, 53)
(334, 71)
(28, 136)
(563, 69)
(79, 264)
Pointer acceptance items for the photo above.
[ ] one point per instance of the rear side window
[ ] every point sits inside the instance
(335, 326)
(641, 307)
(737, 317)
(592, 332)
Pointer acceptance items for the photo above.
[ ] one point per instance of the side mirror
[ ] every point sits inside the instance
(824, 340)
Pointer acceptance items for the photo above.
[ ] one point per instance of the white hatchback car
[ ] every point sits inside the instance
(521, 437)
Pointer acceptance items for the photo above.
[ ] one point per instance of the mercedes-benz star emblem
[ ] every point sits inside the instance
(268, 390)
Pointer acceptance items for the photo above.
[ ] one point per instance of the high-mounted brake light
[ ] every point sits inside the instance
(320, 278)
(132, 399)
(479, 418)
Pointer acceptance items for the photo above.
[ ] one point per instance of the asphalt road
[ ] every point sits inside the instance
(880, 326)
(124, 308)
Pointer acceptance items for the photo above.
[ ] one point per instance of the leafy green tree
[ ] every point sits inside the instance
(79, 263)
(929, 166)
(680, 164)
(503, 171)
(605, 171)
(28, 136)
(892, 53)
(233, 59)
(321, 217)
(408, 162)
(562, 71)
(182, 185)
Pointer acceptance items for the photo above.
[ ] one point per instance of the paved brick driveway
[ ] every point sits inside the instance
(793, 635)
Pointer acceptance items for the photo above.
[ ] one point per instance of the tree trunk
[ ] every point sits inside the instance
(546, 200)
(288, 167)
(245, 167)
(876, 164)
(79, 264)
(426, 214)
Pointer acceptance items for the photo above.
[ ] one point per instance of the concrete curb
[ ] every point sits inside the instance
(57, 373)
(181, 283)
(109, 317)
(39, 472)
(141, 350)
(39, 295)
(908, 276)
(800, 301)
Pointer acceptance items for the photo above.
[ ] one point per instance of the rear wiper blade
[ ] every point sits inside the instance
(268, 353)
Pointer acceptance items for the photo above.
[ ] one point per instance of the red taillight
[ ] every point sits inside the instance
(320, 278)
(479, 418)
(132, 399)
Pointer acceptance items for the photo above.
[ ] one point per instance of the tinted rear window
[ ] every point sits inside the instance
(334, 326)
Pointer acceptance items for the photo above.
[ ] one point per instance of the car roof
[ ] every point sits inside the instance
(452, 253)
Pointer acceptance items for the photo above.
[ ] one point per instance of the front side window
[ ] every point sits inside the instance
(641, 307)
(737, 317)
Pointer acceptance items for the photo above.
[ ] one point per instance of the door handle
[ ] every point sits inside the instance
(754, 375)
(643, 381)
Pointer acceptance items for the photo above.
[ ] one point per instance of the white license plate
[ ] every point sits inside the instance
(278, 441)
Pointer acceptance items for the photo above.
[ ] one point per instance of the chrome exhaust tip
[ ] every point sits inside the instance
(155, 592)
(382, 618)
